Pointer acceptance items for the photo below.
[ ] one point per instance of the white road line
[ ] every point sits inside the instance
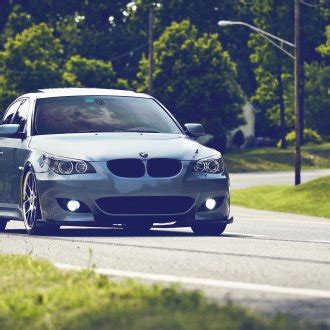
(247, 235)
(204, 282)
(254, 218)
(317, 241)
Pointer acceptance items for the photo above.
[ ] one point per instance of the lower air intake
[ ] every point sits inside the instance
(157, 205)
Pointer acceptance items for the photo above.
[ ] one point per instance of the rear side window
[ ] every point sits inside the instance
(22, 114)
(10, 113)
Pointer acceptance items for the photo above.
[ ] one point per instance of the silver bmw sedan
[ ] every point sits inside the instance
(99, 157)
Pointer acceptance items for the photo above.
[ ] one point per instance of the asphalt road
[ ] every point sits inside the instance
(271, 262)
(268, 261)
(245, 180)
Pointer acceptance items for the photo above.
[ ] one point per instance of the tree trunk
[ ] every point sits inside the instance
(281, 104)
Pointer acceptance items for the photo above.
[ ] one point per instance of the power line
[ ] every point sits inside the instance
(128, 53)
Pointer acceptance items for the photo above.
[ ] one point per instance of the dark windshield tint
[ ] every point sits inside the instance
(83, 114)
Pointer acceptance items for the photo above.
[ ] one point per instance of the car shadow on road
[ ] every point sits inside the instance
(117, 232)
(103, 232)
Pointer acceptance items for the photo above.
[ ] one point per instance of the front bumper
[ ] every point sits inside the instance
(89, 188)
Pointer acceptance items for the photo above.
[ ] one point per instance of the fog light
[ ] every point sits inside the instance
(73, 206)
(210, 203)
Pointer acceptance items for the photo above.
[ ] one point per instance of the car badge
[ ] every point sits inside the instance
(143, 154)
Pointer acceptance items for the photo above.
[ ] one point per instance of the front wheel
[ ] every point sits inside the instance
(31, 208)
(30, 203)
(211, 229)
(3, 224)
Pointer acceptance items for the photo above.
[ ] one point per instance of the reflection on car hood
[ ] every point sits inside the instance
(106, 146)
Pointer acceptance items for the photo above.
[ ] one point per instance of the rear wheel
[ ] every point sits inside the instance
(214, 229)
(3, 224)
(31, 208)
(137, 229)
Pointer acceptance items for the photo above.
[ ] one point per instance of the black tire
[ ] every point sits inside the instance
(137, 229)
(214, 229)
(3, 224)
(31, 208)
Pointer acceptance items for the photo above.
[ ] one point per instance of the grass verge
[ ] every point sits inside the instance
(35, 295)
(275, 159)
(311, 198)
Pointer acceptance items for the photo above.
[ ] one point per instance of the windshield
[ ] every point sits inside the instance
(85, 114)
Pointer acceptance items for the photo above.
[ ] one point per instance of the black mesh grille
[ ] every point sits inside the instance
(127, 168)
(163, 167)
(146, 204)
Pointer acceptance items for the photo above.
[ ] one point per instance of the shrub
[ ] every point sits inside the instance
(262, 142)
(310, 136)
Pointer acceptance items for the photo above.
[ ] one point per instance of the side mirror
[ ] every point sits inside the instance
(9, 131)
(195, 130)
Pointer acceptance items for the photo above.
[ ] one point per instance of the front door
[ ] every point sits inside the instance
(13, 152)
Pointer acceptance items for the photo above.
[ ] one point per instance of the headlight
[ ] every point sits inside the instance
(210, 165)
(67, 166)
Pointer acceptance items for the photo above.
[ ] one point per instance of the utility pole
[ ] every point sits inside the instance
(151, 50)
(297, 91)
(298, 74)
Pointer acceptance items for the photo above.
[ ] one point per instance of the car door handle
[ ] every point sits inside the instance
(1, 153)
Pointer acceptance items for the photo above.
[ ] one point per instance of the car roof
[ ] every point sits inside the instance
(58, 92)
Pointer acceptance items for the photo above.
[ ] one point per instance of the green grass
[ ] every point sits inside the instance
(275, 159)
(35, 295)
(311, 198)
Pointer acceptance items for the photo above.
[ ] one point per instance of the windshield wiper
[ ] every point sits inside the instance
(142, 130)
(133, 130)
(90, 131)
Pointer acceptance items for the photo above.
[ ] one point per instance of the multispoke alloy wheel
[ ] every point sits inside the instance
(31, 209)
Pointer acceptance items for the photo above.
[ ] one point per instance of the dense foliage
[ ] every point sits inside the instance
(211, 94)
(30, 60)
(202, 72)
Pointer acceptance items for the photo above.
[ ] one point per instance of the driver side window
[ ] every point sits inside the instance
(10, 113)
(21, 116)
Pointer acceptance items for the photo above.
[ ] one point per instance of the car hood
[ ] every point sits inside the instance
(107, 146)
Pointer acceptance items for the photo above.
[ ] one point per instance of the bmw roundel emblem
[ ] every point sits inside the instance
(144, 154)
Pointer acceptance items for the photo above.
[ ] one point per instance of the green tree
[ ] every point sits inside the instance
(18, 20)
(317, 90)
(30, 60)
(204, 14)
(92, 29)
(314, 20)
(273, 69)
(195, 78)
(325, 48)
(317, 97)
(84, 72)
